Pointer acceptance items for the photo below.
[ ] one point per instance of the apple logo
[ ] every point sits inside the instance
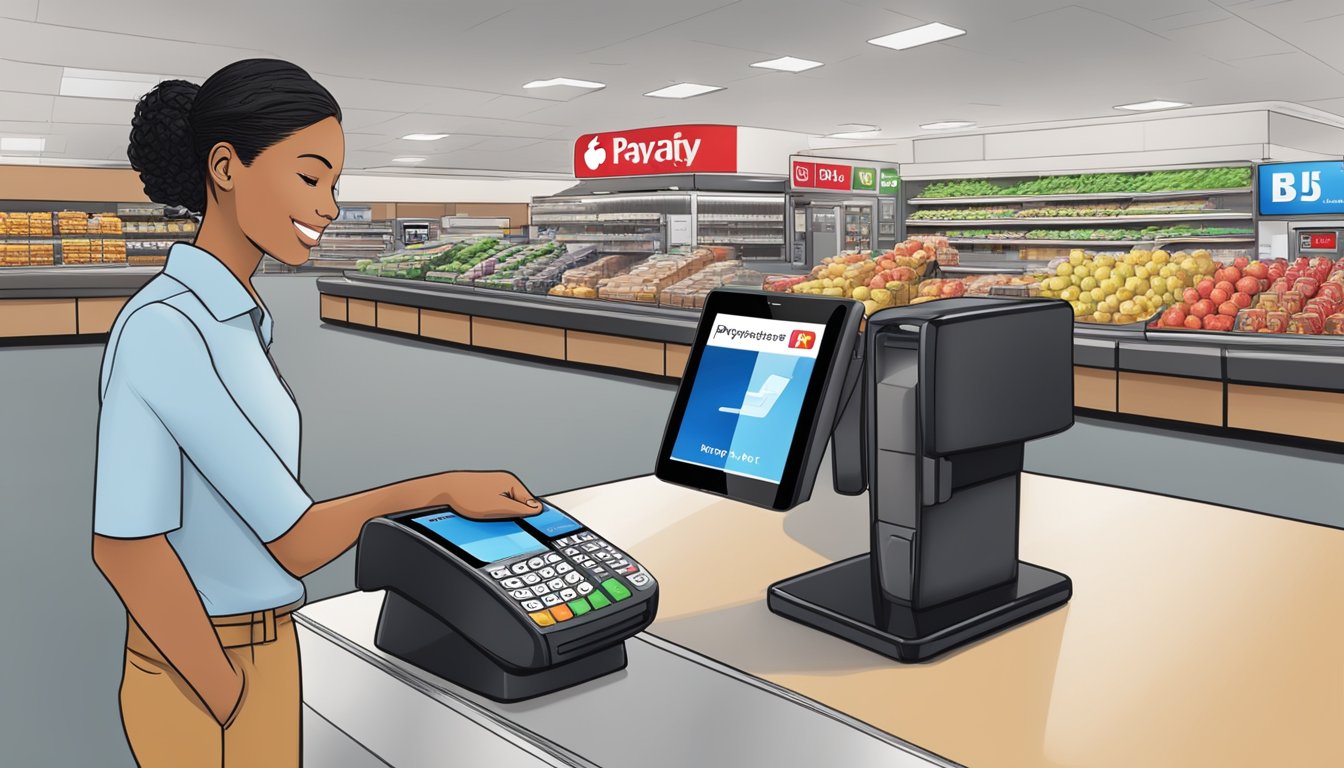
(595, 156)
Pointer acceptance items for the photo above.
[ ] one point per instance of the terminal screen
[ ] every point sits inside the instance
(486, 541)
(747, 396)
(552, 522)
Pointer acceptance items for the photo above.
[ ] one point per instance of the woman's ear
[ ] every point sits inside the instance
(222, 159)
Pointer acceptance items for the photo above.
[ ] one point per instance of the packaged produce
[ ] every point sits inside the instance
(1334, 324)
(1309, 323)
(1307, 286)
(1291, 302)
(692, 291)
(942, 289)
(1332, 290)
(783, 283)
(1251, 320)
(645, 280)
(607, 266)
(1276, 321)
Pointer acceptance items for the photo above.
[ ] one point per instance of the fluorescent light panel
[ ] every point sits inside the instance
(408, 159)
(21, 144)
(569, 81)
(947, 125)
(106, 84)
(854, 134)
(910, 38)
(683, 91)
(1146, 106)
(788, 64)
(424, 136)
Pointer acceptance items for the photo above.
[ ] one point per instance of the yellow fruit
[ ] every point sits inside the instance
(1059, 283)
(1131, 258)
(870, 306)
(833, 292)
(1088, 283)
(1122, 318)
(836, 270)
(1077, 257)
(883, 297)
(1141, 271)
(1161, 257)
(1142, 287)
(1124, 294)
(1080, 309)
(860, 293)
(1168, 298)
(1111, 285)
(1098, 294)
(1101, 273)
(1123, 271)
(1069, 294)
(1128, 308)
(1064, 270)
(1101, 317)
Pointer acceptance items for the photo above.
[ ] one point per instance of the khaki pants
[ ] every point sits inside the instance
(168, 726)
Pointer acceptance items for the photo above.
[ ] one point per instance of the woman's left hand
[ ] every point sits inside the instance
(485, 495)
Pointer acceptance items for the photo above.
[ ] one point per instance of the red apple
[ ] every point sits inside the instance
(1190, 296)
(1229, 286)
(1242, 300)
(1202, 308)
(1211, 323)
(877, 282)
(1225, 323)
(1193, 323)
(1228, 308)
(1248, 285)
(1205, 287)
(1241, 262)
(1219, 295)
(1257, 269)
(1173, 318)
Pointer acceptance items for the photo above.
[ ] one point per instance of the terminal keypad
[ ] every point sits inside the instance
(590, 575)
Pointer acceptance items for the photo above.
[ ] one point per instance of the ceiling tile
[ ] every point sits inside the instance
(25, 10)
(105, 111)
(25, 106)
(29, 78)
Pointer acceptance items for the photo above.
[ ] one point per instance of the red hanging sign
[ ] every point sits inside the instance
(654, 151)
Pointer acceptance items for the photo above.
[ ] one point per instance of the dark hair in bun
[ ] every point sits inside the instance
(250, 104)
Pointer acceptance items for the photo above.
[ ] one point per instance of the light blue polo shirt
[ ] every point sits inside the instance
(198, 436)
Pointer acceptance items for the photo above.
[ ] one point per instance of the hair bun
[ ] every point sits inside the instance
(162, 147)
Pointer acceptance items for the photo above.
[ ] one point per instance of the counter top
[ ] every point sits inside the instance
(72, 282)
(1197, 635)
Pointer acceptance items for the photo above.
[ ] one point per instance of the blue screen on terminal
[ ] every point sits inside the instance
(487, 541)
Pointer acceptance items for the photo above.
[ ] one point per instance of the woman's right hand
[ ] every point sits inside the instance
(226, 697)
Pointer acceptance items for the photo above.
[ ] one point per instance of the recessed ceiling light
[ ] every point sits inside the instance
(947, 125)
(424, 136)
(1144, 106)
(106, 84)
(18, 144)
(909, 38)
(854, 134)
(408, 159)
(788, 64)
(683, 91)
(569, 81)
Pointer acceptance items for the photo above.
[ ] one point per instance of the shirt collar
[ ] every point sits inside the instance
(211, 282)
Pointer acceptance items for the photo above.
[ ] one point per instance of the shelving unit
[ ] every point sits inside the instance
(753, 224)
(137, 235)
(1217, 209)
(613, 224)
(345, 242)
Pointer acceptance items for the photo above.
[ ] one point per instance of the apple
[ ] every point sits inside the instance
(1190, 296)
(1205, 287)
(1241, 262)
(1202, 308)
(1193, 323)
(1230, 287)
(1173, 318)
(1248, 285)
(877, 282)
(1257, 269)
(1211, 322)
(1242, 300)
(1228, 308)
(1219, 295)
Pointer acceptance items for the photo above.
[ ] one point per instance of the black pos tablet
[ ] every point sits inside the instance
(950, 391)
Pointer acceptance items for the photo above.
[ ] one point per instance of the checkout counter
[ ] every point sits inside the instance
(1195, 635)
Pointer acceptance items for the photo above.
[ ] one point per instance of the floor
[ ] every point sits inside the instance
(377, 409)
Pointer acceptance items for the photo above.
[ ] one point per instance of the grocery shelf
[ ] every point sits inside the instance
(1209, 239)
(1076, 198)
(1108, 243)
(1220, 215)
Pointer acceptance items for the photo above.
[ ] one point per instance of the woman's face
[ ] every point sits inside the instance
(288, 195)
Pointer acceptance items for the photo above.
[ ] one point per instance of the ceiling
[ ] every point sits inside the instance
(407, 66)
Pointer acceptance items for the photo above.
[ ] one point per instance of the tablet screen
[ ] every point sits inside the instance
(747, 397)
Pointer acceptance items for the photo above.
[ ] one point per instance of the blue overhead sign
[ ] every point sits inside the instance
(1302, 189)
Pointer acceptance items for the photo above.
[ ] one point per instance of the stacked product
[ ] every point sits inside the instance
(1106, 288)
(692, 291)
(549, 275)
(582, 283)
(877, 280)
(1098, 183)
(645, 280)
(511, 267)
(81, 250)
(1306, 298)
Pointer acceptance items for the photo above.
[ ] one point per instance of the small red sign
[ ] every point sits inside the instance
(821, 176)
(1326, 241)
(802, 340)
(654, 151)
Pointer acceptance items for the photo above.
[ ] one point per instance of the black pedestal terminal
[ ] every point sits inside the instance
(414, 635)
(951, 391)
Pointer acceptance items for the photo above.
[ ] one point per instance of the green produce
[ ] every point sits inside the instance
(1098, 183)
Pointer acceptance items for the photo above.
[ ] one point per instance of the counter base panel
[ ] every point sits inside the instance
(96, 315)
(839, 600)
(362, 312)
(615, 352)
(1174, 398)
(445, 326)
(1095, 389)
(394, 317)
(38, 317)
(333, 308)
(677, 356)
(518, 338)
(1308, 413)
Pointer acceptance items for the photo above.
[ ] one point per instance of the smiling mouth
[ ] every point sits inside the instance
(307, 234)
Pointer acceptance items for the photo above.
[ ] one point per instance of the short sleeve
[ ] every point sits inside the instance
(162, 370)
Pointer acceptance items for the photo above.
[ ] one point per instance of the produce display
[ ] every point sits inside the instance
(692, 291)
(1075, 235)
(1110, 210)
(648, 278)
(878, 280)
(1106, 288)
(1098, 183)
(1305, 298)
(581, 283)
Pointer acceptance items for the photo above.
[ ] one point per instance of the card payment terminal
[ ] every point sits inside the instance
(510, 609)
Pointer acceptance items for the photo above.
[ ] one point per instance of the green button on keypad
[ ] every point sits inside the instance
(580, 606)
(616, 589)
(598, 600)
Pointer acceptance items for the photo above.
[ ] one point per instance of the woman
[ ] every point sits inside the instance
(200, 523)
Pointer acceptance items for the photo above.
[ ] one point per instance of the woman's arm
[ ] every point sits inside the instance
(329, 528)
(152, 583)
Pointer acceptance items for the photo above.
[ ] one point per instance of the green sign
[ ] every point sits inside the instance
(889, 182)
(865, 178)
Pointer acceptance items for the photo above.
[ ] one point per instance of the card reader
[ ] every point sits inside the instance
(510, 609)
